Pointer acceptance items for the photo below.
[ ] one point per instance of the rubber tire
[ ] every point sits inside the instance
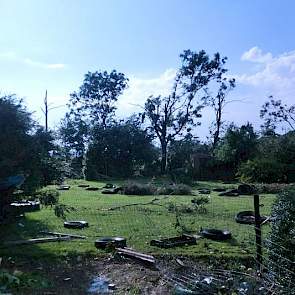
(76, 224)
(92, 188)
(239, 217)
(216, 234)
(105, 242)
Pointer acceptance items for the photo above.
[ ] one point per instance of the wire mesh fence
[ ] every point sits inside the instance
(142, 218)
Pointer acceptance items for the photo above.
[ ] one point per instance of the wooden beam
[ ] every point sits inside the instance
(35, 241)
(50, 233)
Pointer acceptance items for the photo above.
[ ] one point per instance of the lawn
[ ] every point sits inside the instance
(139, 224)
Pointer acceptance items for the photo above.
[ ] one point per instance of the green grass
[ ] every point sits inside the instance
(139, 224)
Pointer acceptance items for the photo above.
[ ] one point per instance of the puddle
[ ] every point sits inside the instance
(99, 285)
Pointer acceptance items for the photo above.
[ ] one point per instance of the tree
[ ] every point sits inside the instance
(273, 160)
(238, 145)
(97, 96)
(174, 116)
(274, 112)
(218, 104)
(73, 133)
(16, 125)
(25, 148)
(119, 150)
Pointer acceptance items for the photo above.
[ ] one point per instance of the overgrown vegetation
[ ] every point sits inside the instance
(281, 244)
(48, 197)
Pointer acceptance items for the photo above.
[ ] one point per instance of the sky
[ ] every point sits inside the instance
(51, 44)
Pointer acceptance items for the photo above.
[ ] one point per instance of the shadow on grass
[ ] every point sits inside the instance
(23, 229)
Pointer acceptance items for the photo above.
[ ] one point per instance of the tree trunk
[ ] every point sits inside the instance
(164, 158)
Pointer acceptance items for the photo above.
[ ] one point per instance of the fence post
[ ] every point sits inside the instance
(258, 232)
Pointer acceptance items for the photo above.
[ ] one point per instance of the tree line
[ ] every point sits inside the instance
(92, 142)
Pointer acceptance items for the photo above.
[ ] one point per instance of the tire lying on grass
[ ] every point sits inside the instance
(216, 234)
(76, 224)
(92, 188)
(63, 188)
(248, 217)
(83, 185)
(105, 242)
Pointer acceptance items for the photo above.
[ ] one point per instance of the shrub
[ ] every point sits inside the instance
(48, 197)
(281, 241)
(61, 210)
(138, 189)
(181, 175)
(177, 189)
(273, 188)
(261, 170)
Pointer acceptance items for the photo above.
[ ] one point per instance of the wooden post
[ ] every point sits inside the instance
(258, 232)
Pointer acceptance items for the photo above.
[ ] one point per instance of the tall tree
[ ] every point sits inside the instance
(274, 112)
(97, 96)
(73, 134)
(174, 115)
(218, 103)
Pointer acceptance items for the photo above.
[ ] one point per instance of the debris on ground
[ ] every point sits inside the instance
(182, 240)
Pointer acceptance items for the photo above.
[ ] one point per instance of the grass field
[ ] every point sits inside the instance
(139, 224)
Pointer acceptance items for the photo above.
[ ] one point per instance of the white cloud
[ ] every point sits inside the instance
(140, 89)
(276, 76)
(255, 54)
(12, 56)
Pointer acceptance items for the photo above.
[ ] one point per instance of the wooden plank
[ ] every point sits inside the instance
(62, 235)
(35, 241)
(137, 255)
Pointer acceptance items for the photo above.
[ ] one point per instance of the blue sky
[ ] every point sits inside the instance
(52, 44)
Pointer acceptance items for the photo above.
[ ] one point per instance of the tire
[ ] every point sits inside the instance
(247, 217)
(114, 242)
(76, 224)
(229, 193)
(92, 188)
(64, 188)
(216, 234)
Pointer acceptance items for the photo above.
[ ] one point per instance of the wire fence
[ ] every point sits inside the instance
(143, 218)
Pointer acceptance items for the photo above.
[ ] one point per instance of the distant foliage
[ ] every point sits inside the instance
(282, 242)
(48, 197)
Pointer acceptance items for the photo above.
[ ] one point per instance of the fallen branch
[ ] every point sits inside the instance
(62, 235)
(152, 202)
(35, 241)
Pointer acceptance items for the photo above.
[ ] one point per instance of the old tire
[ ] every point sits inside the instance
(114, 242)
(216, 234)
(76, 224)
(247, 217)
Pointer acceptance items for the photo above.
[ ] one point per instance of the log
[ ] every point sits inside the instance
(149, 259)
(50, 233)
(35, 241)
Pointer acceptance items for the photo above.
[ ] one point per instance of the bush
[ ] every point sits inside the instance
(48, 197)
(261, 170)
(181, 175)
(177, 189)
(281, 242)
(273, 188)
(138, 189)
(61, 210)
